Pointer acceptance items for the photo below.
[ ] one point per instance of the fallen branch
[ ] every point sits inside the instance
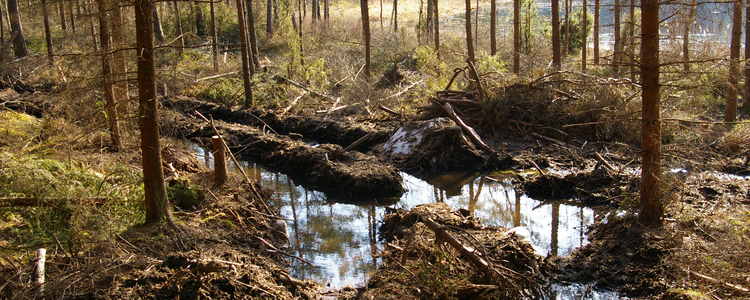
(293, 103)
(388, 110)
(360, 141)
(216, 76)
(604, 161)
(34, 201)
(735, 287)
(548, 139)
(468, 252)
(404, 90)
(282, 79)
(473, 136)
(274, 249)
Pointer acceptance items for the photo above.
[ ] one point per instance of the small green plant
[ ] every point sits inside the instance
(226, 91)
(184, 193)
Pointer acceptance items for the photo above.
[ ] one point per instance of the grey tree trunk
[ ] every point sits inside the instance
(158, 31)
(19, 43)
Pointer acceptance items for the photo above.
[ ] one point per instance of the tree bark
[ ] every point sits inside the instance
(269, 18)
(469, 39)
(61, 11)
(516, 36)
(734, 62)
(618, 42)
(107, 79)
(631, 41)
(178, 23)
(437, 28)
(2, 23)
(584, 35)
(746, 96)
(650, 201)
(366, 33)
(556, 35)
(244, 51)
(89, 9)
(157, 204)
(596, 31)
(566, 47)
(493, 24)
(395, 15)
(158, 31)
(72, 17)
(19, 43)
(253, 40)
(214, 38)
(120, 69)
(688, 24)
(200, 22)
(47, 34)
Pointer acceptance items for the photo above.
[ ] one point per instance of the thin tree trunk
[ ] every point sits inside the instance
(214, 38)
(476, 27)
(200, 21)
(556, 35)
(327, 10)
(109, 93)
(746, 96)
(72, 17)
(269, 18)
(300, 33)
(19, 43)
(245, 57)
(516, 36)
(381, 14)
(61, 11)
(158, 31)
(650, 200)
(253, 40)
(688, 23)
(178, 24)
(2, 23)
(631, 53)
(734, 62)
(493, 24)
(596, 31)
(89, 10)
(469, 39)
(566, 48)
(618, 42)
(395, 15)
(428, 20)
(120, 67)
(366, 33)
(584, 35)
(47, 34)
(157, 204)
(437, 28)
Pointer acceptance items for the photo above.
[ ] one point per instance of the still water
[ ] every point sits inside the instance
(339, 238)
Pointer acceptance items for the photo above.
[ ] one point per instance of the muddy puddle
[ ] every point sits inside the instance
(339, 238)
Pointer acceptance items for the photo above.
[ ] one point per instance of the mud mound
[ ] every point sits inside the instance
(623, 255)
(592, 187)
(434, 253)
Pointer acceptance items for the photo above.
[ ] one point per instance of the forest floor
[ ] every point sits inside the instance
(226, 245)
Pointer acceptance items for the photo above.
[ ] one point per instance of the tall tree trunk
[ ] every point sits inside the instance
(596, 31)
(72, 17)
(566, 48)
(157, 204)
(158, 31)
(428, 20)
(269, 18)
(618, 42)
(89, 10)
(734, 62)
(584, 36)
(688, 24)
(245, 56)
(200, 22)
(395, 15)
(19, 43)
(214, 38)
(300, 33)
(2, 23)
(47, 34)
(650, 200)
(493, 24)
(437, 28)
(631, 40)
(381, 14)
(253, 40)
(469, 39)
(118, 56)
(556, 35)
(327, 10)
(746, 96)
(178, 23)
(516, 36)
(109, 93)
(476, 26)
(366, 33)
(61, 10)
